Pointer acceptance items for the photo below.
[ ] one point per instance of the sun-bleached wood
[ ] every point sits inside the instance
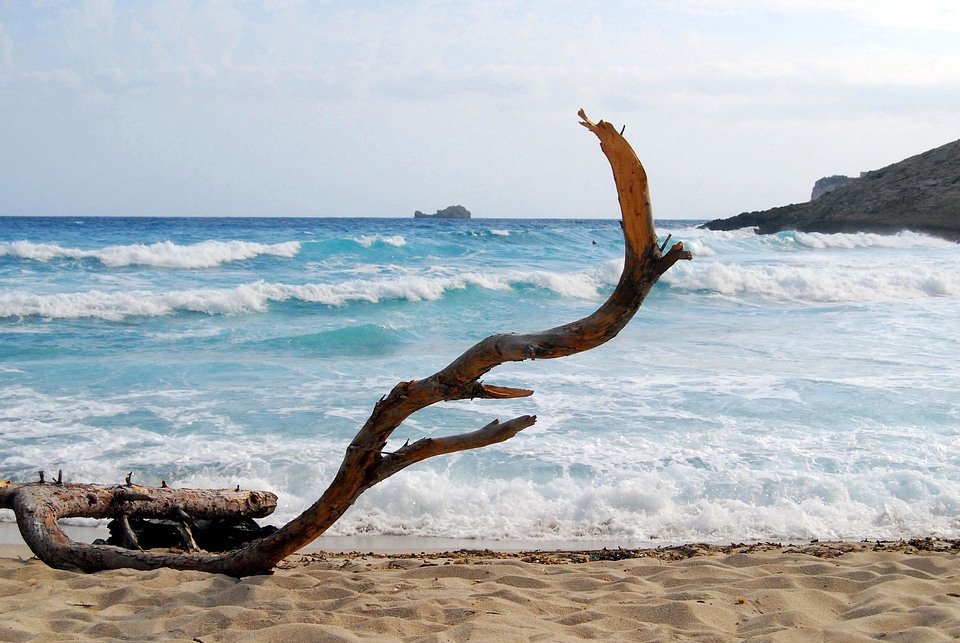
(366, 462)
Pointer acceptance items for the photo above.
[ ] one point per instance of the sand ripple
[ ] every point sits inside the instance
(774, 594)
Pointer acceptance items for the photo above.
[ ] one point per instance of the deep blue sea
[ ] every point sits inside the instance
(782, 387)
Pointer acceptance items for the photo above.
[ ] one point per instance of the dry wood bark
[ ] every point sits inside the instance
(38, 506)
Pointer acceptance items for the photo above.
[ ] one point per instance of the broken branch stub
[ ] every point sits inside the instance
(366, 463)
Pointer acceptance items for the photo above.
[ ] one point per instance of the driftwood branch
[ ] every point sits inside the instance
(39, 506)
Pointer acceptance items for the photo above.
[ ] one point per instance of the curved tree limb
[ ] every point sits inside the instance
(365, 462)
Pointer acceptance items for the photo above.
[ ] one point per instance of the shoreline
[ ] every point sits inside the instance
(407, 546)
(10, 535)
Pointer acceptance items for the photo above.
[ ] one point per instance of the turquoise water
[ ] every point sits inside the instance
(777, 387)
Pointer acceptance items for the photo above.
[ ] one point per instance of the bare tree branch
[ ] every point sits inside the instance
(366, 463)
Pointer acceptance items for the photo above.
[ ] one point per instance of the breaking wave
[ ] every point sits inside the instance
(817, 283)
(396, 240)
(163, 254)
(818, 268)
(256, 296)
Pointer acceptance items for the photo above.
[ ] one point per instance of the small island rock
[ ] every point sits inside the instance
(452, 212)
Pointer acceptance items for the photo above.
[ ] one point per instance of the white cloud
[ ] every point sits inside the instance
(421, 97)
(417, 48)
(917, 15)
(923, 15)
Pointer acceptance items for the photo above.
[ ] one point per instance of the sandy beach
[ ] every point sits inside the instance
(905, 591)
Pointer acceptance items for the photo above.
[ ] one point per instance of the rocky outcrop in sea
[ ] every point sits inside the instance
(451, 212)
(921, 193)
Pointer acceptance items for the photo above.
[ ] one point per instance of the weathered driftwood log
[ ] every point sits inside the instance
(365, 462)
(38, 506)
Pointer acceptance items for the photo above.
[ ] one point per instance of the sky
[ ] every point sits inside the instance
(369, 109)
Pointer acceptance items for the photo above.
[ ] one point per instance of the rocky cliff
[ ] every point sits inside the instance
(452, 212)
(828, 184)
(921, 193)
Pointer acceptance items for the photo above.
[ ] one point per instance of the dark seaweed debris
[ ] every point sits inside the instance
(814, 548)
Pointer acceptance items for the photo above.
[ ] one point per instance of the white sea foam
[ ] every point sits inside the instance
(396, 240)
(116, 306)
(819, 282)
(24, 410)
(640, 509)
(560, 480)
(164, 254)
(708, 243)
(582, 286)
(819, 240)
(256, 296)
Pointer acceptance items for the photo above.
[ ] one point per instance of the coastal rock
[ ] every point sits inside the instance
(921, 193)
(828, 184)
(451, 212)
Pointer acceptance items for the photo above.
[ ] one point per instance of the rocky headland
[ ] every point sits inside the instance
(451, 212)
(921, 193)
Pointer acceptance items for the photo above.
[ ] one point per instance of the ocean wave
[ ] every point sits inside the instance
(819, 240)
(163, 254)
(712, 242)
(784, 282)
(256, 296)
(116, 306)
(818, 283)
(396, 240)
(364, 340)
(646, 507)
(712, 475)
